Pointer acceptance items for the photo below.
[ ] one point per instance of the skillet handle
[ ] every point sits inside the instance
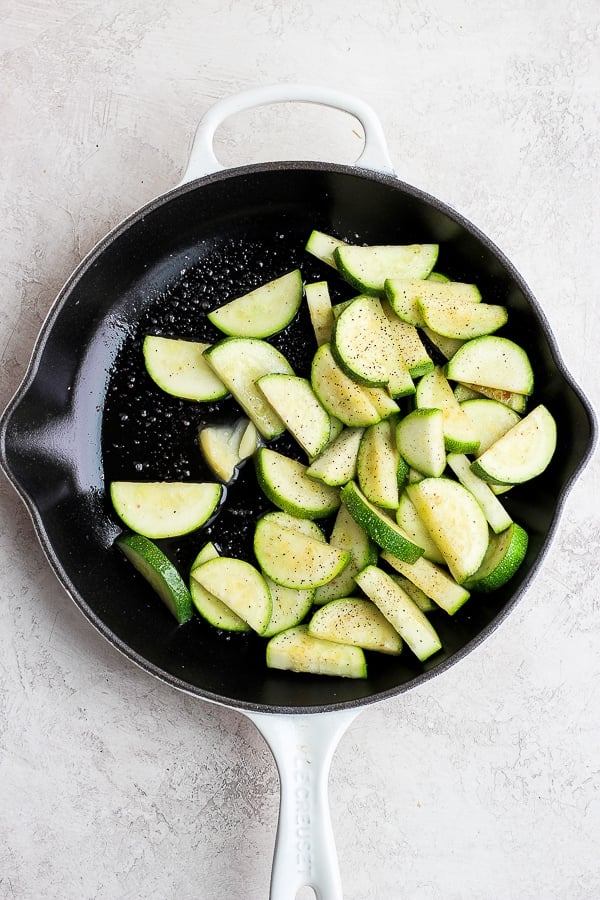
(203, 161)
(305, 854)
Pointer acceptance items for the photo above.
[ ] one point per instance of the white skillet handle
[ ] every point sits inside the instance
(305, 854)
(203, 161)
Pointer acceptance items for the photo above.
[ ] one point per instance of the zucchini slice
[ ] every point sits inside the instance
(159, 572)
(210, 607)
(240, 586)
(164, 509)
(433, 580)
(320, 310)
(377, 465)
(401, 611)
(179, 368)
(412, 524)
(239, 363)
(368, 268)
(294, 523)
(490, 418)
(225, 445)
(497, 517)
(504, 555)
(446, 346)
(285, 482)
(347, 535)
(355, 621)
(415, 593)
(297, 650)
(455, 521)
(515, 401)
(405, 294)
(262, 312)
(290, 606)
(420, 440)
(462, 321)
(341, 396)
(521, 453)
(297, 405)
(363, 344)
(494, 362)
(380, 527)
(434, 392)
(322, 246)
(293, 559)
(408, 344)
(359, 343)
(336, 464)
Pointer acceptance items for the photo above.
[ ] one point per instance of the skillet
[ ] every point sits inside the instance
(87, 413)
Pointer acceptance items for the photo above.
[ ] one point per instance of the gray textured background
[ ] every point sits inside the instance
(481, 785)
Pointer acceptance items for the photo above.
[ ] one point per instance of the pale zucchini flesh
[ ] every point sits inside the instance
(348, 536)
(455, 521)
(322, 246)
(295, 523)
(290, 607)
(415, 593)
(405, 294)
(240, 586)
(434, 580)
(285, 482)
(385, 405)
(377, 465)
(355, 621)
(522, 453)
(368, 268)
(179, 368)
(239, 363)
(412, 524)
(318, 301)
(421, 442)
(164, 509)
(364, 346)
(446, 346)
(339, 394)
(297, 650)
(217, 613)
(497, 516)
(221, 446)
(408, 344)
(462, 321)
(297, 405)
(359, 343)
(435, 392)
(293, 559)
(336, 464)
(491, 419)
(517, 402)
(262, 312)
(401, 611)
(494, 362)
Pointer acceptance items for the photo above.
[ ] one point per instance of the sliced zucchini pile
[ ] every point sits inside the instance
(399, 458)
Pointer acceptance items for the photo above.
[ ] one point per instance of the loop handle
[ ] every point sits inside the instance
(203, 161)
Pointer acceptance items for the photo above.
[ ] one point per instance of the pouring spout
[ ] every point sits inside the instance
(305, 854)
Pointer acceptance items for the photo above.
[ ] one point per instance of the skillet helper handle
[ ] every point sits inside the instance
(305, 854)
(203, 161)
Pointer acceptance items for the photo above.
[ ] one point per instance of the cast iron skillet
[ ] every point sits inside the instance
(87, 413)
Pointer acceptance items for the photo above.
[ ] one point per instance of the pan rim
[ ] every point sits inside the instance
(62, 300)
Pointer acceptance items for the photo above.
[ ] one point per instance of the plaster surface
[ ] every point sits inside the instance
(480, 785)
